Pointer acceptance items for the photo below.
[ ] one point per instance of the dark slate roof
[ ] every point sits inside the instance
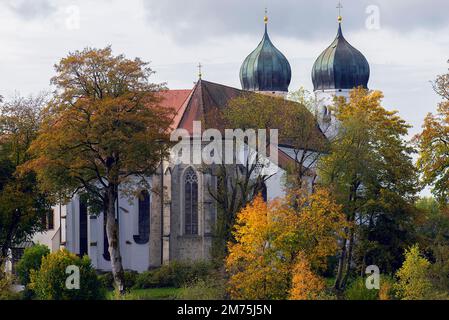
(340, 66)
(266, 68)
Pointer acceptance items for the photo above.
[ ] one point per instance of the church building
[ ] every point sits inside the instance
(155, 230)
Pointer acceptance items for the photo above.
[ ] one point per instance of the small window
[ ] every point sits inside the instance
(50, 220)
(191, 203)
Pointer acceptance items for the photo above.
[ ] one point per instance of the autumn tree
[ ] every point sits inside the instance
(275, 241)
(297, 127)
(297, 130)
(433, 144)
(433, 236)
(256, 266)
(306, 285)
(23, 207)
(414, 283)
(100, 135)
(370, 172)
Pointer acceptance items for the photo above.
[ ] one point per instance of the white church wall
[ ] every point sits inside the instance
(51, 238)
(275, 185)
(325, 99)
(135, 256)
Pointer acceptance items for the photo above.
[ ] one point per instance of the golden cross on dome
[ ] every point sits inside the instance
(265, 18)
(339, 7)
(200, 66)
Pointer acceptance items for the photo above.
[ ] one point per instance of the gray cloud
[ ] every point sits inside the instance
(198, 20)
(32, 9)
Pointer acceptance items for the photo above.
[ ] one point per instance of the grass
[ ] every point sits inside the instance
(147, 294)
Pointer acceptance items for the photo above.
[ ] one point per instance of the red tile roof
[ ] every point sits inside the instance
(174, 99)
(199, 104)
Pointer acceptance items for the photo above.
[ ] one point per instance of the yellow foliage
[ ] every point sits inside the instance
(322, 223)
(414, 283)
(270, 239)
(257, 273)
(306, 285)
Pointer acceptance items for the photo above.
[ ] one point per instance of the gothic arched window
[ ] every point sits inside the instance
(144, 218)
(190, 202)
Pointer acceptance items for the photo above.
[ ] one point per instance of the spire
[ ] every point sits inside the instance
(339, 7)
(265, 19)
(200, 73)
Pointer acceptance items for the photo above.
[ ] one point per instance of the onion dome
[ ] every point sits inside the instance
(340, 66)
(266, 68)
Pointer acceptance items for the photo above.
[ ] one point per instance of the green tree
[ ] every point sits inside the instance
(296, 125)
(22, 205)
(414, 283)
(100, 134)
(31, 260)
(371, 173)
(433, 232)
(433, 144)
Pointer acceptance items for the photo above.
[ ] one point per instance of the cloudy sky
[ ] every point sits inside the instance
(405, 41)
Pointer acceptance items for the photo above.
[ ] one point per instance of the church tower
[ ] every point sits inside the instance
(338, 70)
(266, 70)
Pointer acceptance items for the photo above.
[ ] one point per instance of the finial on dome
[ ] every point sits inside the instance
(200, 73)
(339, 7)
(265, 18)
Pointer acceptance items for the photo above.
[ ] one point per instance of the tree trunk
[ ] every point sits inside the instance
(112, 233)
(348, 261)
(341, 262)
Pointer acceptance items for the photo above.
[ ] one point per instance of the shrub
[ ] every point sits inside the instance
(204, 289)
(357, 291)
(176, 274)
(31, 260)
(387, 288)
(106, 280)
(49, 283)
(6, 283)
(130, 278)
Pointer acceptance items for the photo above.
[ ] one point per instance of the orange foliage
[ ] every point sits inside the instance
(274, 240)
(306, 285)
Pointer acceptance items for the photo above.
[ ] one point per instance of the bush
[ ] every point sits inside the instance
(204, 289)
(49, 283)
(107, 280)
(130, 279)
(357, 291)
(176, 274)
(31, 260)
(387, 288)
(6, 283)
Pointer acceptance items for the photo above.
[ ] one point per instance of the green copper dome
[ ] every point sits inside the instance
(340, 66)
(266, 68)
